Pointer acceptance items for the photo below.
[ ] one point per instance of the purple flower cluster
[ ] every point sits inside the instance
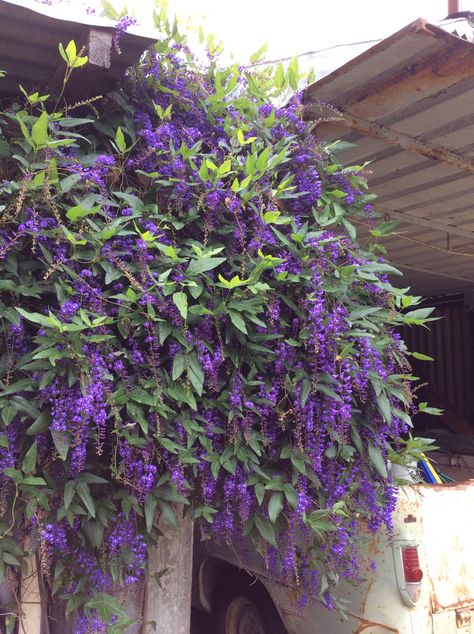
(191, 331)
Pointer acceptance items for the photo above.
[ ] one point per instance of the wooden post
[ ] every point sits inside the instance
(30, 596)
(167, 602)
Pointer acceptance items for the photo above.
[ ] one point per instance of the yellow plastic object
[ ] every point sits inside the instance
(432, 470)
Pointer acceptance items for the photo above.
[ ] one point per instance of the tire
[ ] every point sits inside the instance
(247, 612)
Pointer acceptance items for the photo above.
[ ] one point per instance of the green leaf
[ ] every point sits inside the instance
(29, 461)
(24, 129)
(351, 230)
(9, 559)
(202, 265)
(325, 389)
(271, 216)
(120, 140)
(62, 442)
(71, 51)
(279, 76)
(275, 506)
(179, 365)
(215, 468)
(266, 530)
(234, 282)
(225, 167)
(142, 396)
(66, 184)
(25, 406)
(33, 481)
(238, 321)
(182, 395)
(195, 373)
(14, 474)
(150, 508)
(36, 318)
(363, 311)
(263, 159)
(62, 52)
(258, 55)
(40, 425)
(305, 392)
(376, 458)
(421, 357)
(383, 404)
(297, 461)
(165, 330)
(168, 514)
(291, 495)
(319, 523)
(356, 439)
(78, 212)
(107, 606)
(138, 416)
(91, 478)
(204, 171)
(418, 315)
(75, 601)
(39, 131)
(69, 493)
(84, 493)
(8, 414)
(94, 531)
(181, 301)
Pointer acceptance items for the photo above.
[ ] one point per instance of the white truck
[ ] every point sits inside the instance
(423, 584)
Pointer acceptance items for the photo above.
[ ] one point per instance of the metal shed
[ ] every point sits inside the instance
(407, 105)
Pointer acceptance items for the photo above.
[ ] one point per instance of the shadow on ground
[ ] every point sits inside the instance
(201, 623)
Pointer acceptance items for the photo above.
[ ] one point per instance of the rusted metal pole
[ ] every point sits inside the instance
(453, 6)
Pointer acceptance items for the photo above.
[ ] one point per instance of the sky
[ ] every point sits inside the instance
(289, 27)
(292, 27)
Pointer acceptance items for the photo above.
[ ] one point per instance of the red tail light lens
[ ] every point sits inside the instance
(411, 565)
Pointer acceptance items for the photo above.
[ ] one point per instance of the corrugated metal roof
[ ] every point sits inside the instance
(29, 37)
(407, 104)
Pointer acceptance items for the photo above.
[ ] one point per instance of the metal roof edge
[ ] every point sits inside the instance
(419, 26)
(70, 14)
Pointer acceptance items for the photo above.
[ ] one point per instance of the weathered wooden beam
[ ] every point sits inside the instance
(30, 596)
(99, 47)
(167, 603)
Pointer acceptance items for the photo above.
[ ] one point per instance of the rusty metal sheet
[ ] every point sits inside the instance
(421, 58)
(407, 43)
(382, 169)
(441, 115)
(448, 518)
(411, 178)
(407, 104)
(427, 191)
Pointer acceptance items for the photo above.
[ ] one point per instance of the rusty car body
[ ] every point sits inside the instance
(436, 520)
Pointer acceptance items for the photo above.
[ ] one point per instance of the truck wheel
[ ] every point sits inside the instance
(239, 615)
(245, 612)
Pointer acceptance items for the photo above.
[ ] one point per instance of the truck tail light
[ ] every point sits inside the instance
(412, 572)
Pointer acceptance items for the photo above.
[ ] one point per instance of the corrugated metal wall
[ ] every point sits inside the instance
(450, 342)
